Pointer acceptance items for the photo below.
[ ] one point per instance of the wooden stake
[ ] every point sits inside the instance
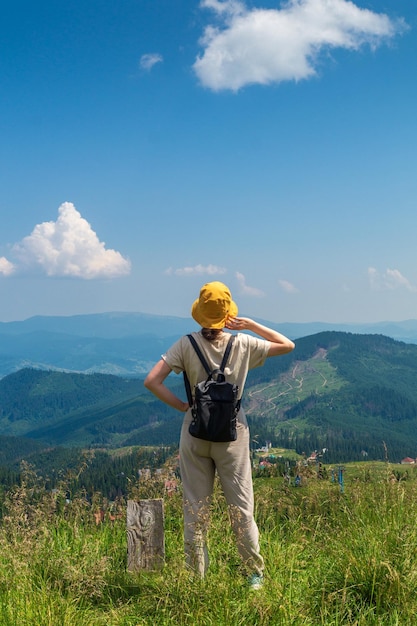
(145, 535)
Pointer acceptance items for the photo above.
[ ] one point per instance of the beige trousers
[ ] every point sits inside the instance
(199, 460)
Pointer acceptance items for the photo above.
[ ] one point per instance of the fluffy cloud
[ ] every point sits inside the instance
(147, 61)
(6, 267)
(245, 289)
(197, 270)
(267, 46)
(287, 286)
(69, 247)
(388, 280)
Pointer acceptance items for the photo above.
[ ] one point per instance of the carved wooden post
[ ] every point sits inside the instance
(145, 535)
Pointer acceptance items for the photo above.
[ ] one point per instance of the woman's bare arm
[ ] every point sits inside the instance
(280, 344)
(155, 383)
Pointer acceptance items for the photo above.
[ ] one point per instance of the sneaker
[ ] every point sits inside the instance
(255, 582)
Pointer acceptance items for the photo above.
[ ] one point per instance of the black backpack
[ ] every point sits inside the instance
(216, 402)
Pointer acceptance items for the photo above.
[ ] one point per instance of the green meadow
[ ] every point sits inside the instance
(336, 555)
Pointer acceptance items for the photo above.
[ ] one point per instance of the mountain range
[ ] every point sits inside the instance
(348, 395)
(127, 344)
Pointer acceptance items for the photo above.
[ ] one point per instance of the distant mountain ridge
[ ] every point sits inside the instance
(113, 325)
(347, 393)
(127, 344)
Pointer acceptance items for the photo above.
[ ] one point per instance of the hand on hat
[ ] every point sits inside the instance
(238, 323)
(279, 343)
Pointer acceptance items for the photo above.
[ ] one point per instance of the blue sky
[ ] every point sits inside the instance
(148, 147)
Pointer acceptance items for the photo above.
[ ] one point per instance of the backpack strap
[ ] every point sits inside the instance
(199, 354)
(223, 365)
(188, 389)
(205, 364)
(202, 358)
(227, 352)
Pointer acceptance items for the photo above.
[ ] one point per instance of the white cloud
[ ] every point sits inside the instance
(6, 267)
(245, 289)
(197, 270)
(224, 7)
(69, 247)
(265, 46)
(147, 61)
(287, 286)
(388, 280)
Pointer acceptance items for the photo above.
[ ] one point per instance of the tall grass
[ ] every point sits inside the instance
(332, 559)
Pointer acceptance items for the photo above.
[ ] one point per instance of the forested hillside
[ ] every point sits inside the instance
(81, 409)
(31, 398)
(355, 395)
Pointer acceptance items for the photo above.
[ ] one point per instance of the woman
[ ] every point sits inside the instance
(214, 311)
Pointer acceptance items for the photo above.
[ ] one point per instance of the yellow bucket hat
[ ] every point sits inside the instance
(214, 306)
